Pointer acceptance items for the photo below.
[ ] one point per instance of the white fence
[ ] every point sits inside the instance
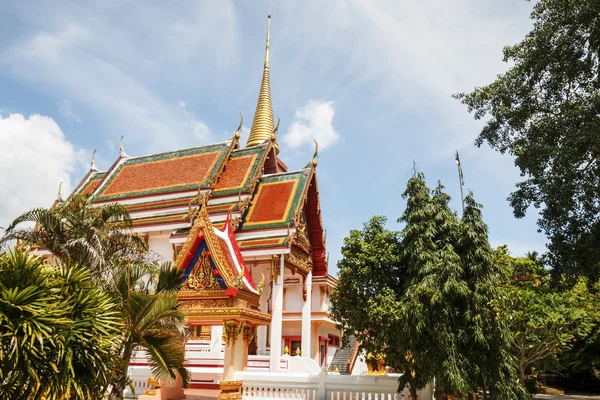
(323, 386)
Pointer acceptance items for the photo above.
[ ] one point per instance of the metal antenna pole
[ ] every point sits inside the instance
(461, 181)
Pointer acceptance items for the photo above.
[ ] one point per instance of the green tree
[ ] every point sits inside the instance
(77, 232)
(101, 239)
(153, 323)
(584, 358)
(488, 338)
(545, 111)
(369, 266)
(57, 330)
(544, 322)
(430, 305)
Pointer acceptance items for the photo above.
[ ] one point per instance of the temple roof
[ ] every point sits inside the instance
(211, 260)
(277, 200)
(174, 171)
(271, 211)
(241, 171)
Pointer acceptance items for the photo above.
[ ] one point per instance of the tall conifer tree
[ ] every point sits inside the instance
(488, 340)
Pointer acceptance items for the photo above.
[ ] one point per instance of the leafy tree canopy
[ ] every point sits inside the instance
(78, 233)
(425, 297)
(545, 322)
(545, 111)
(57, 330)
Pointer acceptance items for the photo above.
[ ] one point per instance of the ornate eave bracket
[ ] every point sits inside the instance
(298, 260)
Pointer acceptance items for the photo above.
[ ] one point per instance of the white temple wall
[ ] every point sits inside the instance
(292, 328)
(293, 298)
(159, 243)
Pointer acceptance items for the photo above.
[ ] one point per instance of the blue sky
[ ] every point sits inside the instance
(371, 81)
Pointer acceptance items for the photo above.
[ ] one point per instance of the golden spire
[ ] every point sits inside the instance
(263, 125)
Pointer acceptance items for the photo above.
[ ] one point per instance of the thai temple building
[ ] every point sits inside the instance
(249, 234)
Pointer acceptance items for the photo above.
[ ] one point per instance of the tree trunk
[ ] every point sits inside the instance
(522, 371)
(522, 365)
(413, 391)
(121, 376)
(485, 397)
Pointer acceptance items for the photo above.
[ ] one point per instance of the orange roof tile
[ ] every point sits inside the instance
(165, 219)
(259, 243)
(151, 205)
(236, 172)
(272, 202)
(175, 171)
(91, 186)
(276, 200)
(162, 174)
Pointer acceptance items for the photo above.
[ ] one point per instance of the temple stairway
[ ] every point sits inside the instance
(341, 358)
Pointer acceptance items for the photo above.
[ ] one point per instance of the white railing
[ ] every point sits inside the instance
(265, 393)
(324, 386)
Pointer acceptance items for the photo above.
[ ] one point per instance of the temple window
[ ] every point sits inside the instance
(293, 344)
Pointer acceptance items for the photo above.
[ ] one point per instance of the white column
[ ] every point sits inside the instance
(276, 320)
(216, 339)
(306, 314)
(261, 331)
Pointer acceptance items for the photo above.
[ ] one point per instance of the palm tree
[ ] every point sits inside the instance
(154, 324)
(77, 232)
(100, 239)
(57, 330)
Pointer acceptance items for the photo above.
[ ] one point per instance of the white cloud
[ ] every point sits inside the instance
(314, 121)
(34, 158)
(66, 109)
(181, 103)
(79, 51)
(201, 131)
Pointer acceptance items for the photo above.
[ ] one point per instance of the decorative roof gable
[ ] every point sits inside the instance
(208, 249)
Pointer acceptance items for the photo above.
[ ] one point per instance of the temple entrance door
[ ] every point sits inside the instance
(322, 352)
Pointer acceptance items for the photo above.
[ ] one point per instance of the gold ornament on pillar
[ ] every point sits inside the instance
(261, 285)
(275, 267)
(249, 333)
(232, 330)
(286, 351)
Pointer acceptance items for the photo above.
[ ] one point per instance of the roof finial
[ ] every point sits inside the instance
(263, 125)
(59, 195)
(268, 40)
(93, 163)
(239, 129)
(121, 150)
(314, 160)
